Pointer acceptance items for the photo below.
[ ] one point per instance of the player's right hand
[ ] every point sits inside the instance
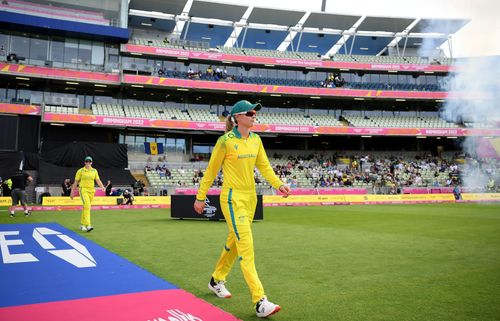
(199, 206)
(285, 190)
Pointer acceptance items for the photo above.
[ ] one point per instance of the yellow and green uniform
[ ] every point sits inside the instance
(86, 178)
(238, 158)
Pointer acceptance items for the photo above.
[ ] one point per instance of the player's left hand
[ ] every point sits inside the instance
(199, 206)
(285, 190)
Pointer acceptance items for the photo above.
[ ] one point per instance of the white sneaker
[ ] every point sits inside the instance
(83, 228)
(219, 289)
(90, 228)
(264, 308)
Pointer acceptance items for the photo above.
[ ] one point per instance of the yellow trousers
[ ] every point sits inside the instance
(87, 195)
(238, 208)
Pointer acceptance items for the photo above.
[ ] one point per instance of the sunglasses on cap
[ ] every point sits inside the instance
(250, 113)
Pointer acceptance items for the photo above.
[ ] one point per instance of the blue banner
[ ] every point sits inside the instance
(46, 262)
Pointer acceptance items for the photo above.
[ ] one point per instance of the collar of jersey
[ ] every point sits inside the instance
(237, 133)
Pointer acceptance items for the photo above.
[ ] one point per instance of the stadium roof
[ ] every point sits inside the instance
(170, 6)
(216, 10)
(275, 16)
(415, 42)
(385, 24)
(329, 20)
(446, 26)
(268, 28)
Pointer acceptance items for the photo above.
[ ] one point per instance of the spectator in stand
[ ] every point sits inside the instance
(168, 173)
(338, 80)
(161, 72)
(490, 187)
(457, 192)
(210, 72)
(109, 188)
(141, 188)
(191, 74)
(66, 187)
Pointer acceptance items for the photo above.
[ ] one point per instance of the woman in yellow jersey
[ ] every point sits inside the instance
(238, 152)
(86, 177)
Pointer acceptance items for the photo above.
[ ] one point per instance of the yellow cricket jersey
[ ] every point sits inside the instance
(238, 158)
(87, 177)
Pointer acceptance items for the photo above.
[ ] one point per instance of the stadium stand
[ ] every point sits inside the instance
(38, 65)
(61, 109)
(108, 110)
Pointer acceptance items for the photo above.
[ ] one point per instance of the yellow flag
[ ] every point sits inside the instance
(154, 148)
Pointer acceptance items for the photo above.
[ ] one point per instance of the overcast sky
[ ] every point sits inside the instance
(481, 37)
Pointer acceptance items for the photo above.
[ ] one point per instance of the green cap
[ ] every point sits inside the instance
(243, 106)
(88, 158)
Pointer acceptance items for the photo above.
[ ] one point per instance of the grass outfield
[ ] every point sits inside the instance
(380, 262)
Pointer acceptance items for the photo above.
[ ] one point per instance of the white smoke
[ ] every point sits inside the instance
(474, 90)
(438, 30)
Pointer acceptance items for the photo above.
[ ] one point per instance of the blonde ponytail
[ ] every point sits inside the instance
(229, 124)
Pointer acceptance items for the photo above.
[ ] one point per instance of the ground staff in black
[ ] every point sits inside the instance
(18, 193)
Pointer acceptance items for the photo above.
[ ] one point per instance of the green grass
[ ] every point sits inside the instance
(359, 263)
